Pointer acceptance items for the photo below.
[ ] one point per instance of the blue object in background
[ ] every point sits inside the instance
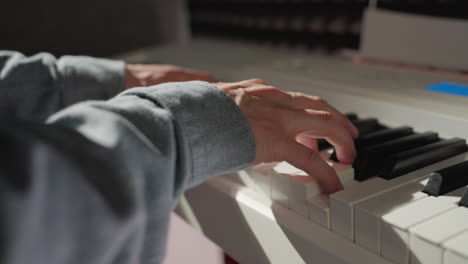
(449, 88)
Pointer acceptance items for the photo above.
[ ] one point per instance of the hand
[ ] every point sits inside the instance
(138, 75)
(286, 126)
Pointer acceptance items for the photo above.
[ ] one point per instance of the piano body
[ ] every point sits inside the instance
(270, 214)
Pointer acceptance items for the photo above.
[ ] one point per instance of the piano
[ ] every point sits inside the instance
(405, 199)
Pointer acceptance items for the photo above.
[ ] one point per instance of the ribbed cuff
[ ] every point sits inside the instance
(217, 132)
(87, 78)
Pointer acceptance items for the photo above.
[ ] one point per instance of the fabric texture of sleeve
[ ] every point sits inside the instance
(32, 88)
(98, 182)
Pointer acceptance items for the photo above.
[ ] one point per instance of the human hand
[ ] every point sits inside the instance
(138, 75)
(286, 126)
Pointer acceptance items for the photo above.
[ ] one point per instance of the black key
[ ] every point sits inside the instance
(366, 126)
(464, 199)
(323, 144)
(383, 135)
(377, 137)
(352, 116)
(447, 180)
(372, 158)
(411, 160)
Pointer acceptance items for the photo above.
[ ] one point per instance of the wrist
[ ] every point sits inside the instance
(131, 80)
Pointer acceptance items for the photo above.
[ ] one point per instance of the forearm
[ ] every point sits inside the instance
(103, 176)
(35, 87)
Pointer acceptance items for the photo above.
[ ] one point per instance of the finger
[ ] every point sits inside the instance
(301, 101)
(307, 141)
(310, 161)
(251, 82)
(294, 122)
(319, 124)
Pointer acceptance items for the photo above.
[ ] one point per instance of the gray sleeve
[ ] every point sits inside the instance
(97, 183)
(35, 87)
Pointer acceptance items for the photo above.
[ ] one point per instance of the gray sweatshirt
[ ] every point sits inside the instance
(97, 182)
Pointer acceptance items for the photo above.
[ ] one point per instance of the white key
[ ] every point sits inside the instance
(319, 206)
(427, 237)
(319, 210)
(280, 188)
(456, 249)
(367, 213)
(342, 202)
(394, 233)
(261, 176)
(285, 168)
(301, 188)
(243, 178)
(291, 184)
(305, 195)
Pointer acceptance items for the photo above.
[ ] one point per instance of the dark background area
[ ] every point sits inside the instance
(324, 24)
(71, 27)
(92, 27)
(109, 27)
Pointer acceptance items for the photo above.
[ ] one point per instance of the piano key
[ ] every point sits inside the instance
(285, 168)
(293, 187)
(455, 249)
(243, 178)
(428, 236)
(280, 188)
(464, 199)
(364, 126)
(447, 179)
(302, 189)
(319, 210)
(368, 125)
(367, 214)
(342, 202)
(395, 225)
(322, 144)
(352, 116)
(383, 135)
(417, 158)
(260, 175)
(451, 257)
(377, 137)
(367, 165)
(319, 206)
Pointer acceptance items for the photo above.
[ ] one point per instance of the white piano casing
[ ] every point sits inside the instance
(237, 212)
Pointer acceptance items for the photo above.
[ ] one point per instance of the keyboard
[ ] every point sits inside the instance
(404, 198)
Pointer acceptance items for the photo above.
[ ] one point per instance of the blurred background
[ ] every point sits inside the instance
(110, 27)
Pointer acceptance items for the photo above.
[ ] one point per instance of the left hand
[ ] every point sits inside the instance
(138, 75)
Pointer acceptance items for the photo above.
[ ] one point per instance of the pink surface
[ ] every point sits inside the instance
(186, 245)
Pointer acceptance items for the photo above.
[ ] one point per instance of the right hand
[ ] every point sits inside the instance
(286, 125)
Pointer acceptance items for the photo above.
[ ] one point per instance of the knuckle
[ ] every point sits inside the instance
(264, 88)
(271, 88)
(243, 98)
(255, 80)
(296, 94)
(318, 100)
(325, 116)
